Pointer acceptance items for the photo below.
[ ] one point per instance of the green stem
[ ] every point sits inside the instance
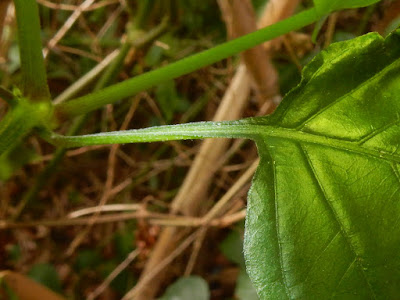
(365, 19)
(200, 130)
(151, 35)
(132, 86)
(34, 85)
(145, 7)
(256, 129)
(109, 75)
(115, 67)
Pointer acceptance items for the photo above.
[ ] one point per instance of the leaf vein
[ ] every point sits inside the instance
(348, 94)
(331, 208)
(365, 139)
(344, 274)
(284, 280)
(320, 254)
(312, 138)
(396, 172)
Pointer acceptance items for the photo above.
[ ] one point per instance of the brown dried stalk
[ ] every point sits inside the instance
(195, 186)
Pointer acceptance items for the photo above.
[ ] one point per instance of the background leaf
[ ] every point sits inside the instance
(232, 247)
(192, 287)
(244, 288)
(47, 275)
(323, 210)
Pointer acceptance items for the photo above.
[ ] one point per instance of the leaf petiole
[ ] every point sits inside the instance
(200, 130)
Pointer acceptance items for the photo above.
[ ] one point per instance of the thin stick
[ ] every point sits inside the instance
(154, 272)
(104, 208)
(60, 6)
(184, 66)
(330, 31)
(66, 26)
(196, 250)
(79, 52)
(110, 21)
(230, 219)
(86, 79)
(122, 266)
(109, 181)
(154, 218)
(76, 222)
(231, 192)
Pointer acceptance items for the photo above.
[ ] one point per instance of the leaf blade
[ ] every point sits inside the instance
(325, 226)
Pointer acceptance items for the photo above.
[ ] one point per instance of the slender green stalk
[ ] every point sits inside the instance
(200, 130)
(111, 72)
(115, 67)
(152, 34)
(145, 7)
(317, 28)
(132, 86)
(365, 19)
(257, 131)
(139, 43)
(34, 85)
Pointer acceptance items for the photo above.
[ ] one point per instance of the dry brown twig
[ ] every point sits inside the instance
(7, 17)
(61, 6)
(67, 26)
(122, 266)
(110, 21)
(153, 218)
(136, 291)
(107, 193)
(210, 151)
(86, 79)
(104, 208)
(200, 175)
(240, 19)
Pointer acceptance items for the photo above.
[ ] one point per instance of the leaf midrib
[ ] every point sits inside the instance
(225, 129)
(310, 138)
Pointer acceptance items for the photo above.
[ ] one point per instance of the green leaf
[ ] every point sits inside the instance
(124, 280)
(47, 275)
(124, 242)
(87, 259)
(192, 287)
(325, 7)
(323, 211)
(232, 247)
